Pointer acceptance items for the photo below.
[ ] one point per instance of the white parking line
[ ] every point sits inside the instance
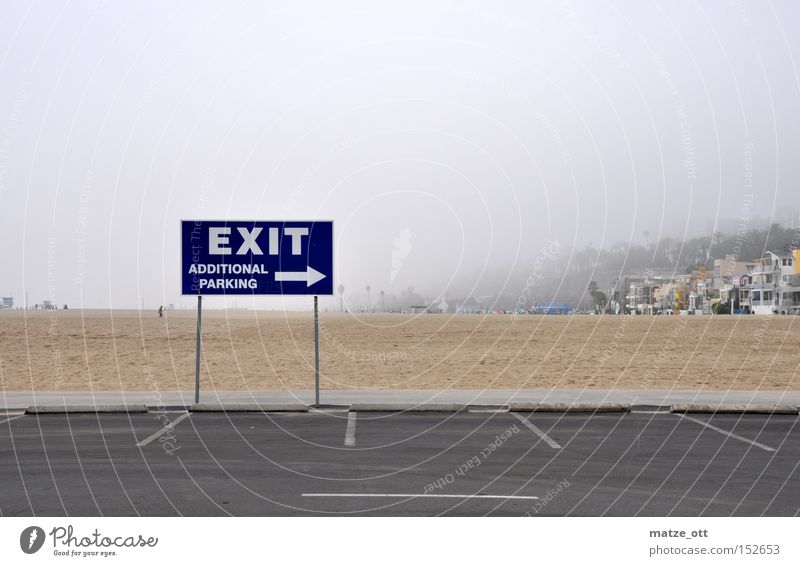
(407, 495)
(350, 435)
(539, 432)
(159, 433)
(11, 418)
(727, 433)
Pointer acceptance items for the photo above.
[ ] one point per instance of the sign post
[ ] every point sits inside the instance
(316, 353)
(197, 350)
(249, 257)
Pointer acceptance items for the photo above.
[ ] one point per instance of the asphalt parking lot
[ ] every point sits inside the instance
(385, 463)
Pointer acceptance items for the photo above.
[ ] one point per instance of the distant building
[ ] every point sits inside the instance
(726, 269)
(641, 296)
(7, 303)
(773, 285)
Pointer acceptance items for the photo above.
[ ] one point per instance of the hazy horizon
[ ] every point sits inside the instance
(448, 142)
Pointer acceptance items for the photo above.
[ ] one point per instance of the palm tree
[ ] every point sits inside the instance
(341, 292)
(599, 298)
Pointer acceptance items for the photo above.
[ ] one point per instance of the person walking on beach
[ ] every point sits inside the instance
(160, 311)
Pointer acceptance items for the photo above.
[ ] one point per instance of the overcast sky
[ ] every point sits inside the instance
(458, 137)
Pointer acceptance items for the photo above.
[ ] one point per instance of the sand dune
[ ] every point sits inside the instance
(133, 351)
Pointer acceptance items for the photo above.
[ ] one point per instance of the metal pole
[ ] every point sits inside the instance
(197, 350)
(316, 352)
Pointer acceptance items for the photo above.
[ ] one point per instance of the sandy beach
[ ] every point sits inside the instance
(134, 351)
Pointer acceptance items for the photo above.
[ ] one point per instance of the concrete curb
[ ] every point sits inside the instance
(571, 407)
(488, 408)
(651, 408)
(737, 409)
(408, 407)
(248, 408)
(61, 409)
(329, 408)
(167, 408)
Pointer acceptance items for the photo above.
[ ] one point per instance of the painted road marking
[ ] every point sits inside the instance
(539, 432)
(350, 435)
(8, 420)
(162, 431)
(407, 495)
(727, 433)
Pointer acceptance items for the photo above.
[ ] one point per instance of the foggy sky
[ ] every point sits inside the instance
(455, 137)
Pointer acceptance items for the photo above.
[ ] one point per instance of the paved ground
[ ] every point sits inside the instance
(399, 464)
(24, 399)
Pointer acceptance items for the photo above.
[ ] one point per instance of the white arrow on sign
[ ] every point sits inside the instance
(310, 276)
